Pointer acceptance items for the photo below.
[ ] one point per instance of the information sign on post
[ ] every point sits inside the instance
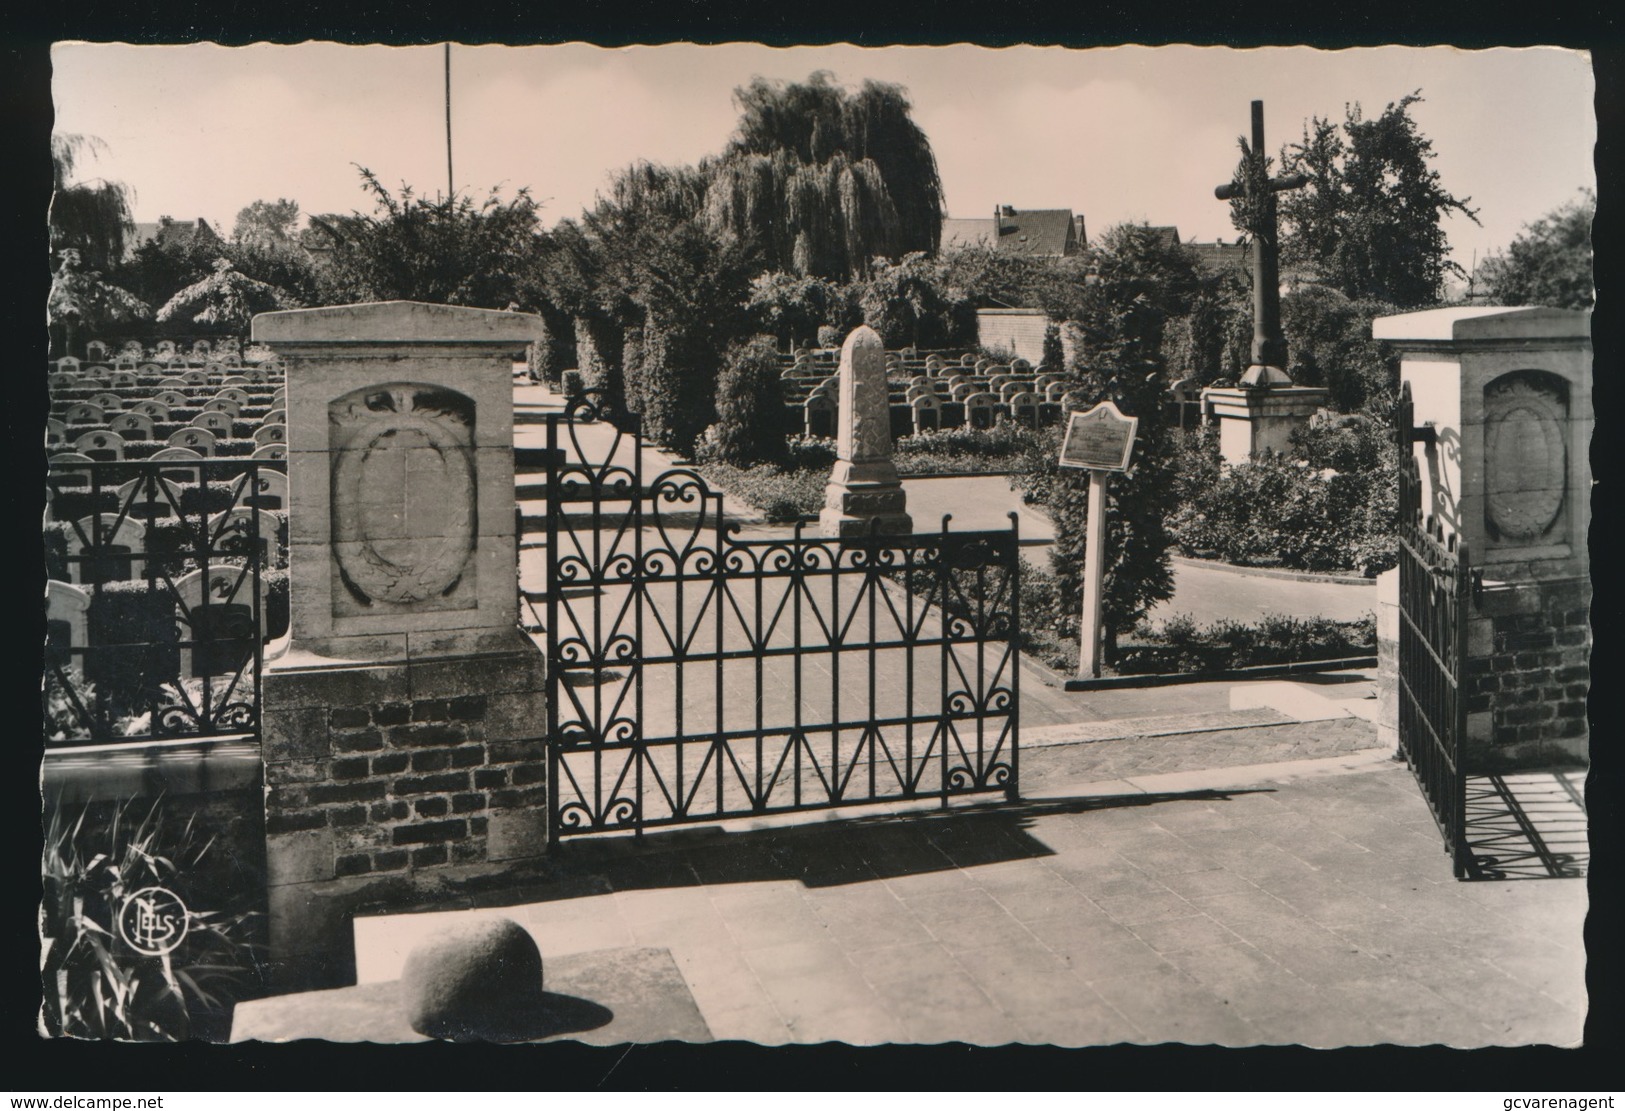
(1099, 441)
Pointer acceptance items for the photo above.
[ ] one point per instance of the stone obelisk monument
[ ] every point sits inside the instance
(864, 487)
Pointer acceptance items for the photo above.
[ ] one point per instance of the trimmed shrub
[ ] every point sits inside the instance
(829, 336)
(1331, 507)
(571, 383)
(1180, 646)
(766, 486)
(809, 452)
(753, 423)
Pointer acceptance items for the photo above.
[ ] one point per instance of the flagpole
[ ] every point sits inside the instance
(449, 188)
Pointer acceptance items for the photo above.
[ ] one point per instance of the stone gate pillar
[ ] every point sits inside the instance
(1507, 392)
(401, 734)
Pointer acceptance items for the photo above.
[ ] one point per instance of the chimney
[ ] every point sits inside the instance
(1009, 211)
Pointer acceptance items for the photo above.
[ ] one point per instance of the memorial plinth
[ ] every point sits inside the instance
(1507, 395)
(864, 490)
(1253, 419)
(400, 729)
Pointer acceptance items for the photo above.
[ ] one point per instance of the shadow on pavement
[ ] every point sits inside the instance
(1527, 826)
(829, 853)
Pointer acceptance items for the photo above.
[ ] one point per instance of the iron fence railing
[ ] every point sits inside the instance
(164, 583)
(1435, 592)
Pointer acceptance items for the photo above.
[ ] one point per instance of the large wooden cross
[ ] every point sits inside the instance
(1269, 344)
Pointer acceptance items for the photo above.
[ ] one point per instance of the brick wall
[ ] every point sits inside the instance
(405, 784)
(1528, 675)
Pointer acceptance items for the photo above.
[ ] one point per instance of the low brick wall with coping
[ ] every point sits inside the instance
(388, 781)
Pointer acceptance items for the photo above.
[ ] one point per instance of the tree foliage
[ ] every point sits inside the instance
(1329, 336)
(267, 223)
(225, 299)
(1000, 279)
(793, 307)
(1139, 284)
(1369, 223)
(906, 302)
(80, 299)
(1550, 262)
(822, 179)
(644, 259)
(92, 217)
(448, 250)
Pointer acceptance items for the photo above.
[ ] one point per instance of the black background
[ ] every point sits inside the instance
(52, 1067)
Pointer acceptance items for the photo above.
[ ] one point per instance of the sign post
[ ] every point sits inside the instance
(1099, 441)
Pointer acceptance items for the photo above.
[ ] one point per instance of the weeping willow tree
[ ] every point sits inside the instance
(91, 217)
(821, 179)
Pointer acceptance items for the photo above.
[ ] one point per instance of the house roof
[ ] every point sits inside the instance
(172, 231)
(1168, 234)
(1047, 232)
(1219, 256)
(1036, 232)
(966, 233)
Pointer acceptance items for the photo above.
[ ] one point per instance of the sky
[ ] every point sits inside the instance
(1116, 134)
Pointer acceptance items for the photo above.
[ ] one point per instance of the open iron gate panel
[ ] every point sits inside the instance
(696, 675)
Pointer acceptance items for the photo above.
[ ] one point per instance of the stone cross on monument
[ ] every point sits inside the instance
(1268, 365)
(1260, 414)
(863, 486)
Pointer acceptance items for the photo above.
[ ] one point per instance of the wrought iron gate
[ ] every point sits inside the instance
(695, 674)
(1435, 585)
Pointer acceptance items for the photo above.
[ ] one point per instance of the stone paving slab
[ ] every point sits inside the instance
(1298, 902)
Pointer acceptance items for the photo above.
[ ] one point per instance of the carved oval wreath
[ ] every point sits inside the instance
(440, 560)
(1525, 442)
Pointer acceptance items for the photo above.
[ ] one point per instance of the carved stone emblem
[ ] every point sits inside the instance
(403, 508)
(1525, 456)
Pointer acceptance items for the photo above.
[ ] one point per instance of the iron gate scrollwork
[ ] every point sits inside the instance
(157, 597)
(1435, 589)
(696, 673)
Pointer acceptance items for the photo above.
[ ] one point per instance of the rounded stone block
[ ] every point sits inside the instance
(474, 981)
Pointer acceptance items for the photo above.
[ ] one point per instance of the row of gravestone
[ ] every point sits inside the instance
(270, 442)
(984, 371)
(99, 546)
(112, 426)
(201, 598)
(161, 501)
(233, 401)
(171, 361)
(928, 413)
(100, 350)
(146, 375)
